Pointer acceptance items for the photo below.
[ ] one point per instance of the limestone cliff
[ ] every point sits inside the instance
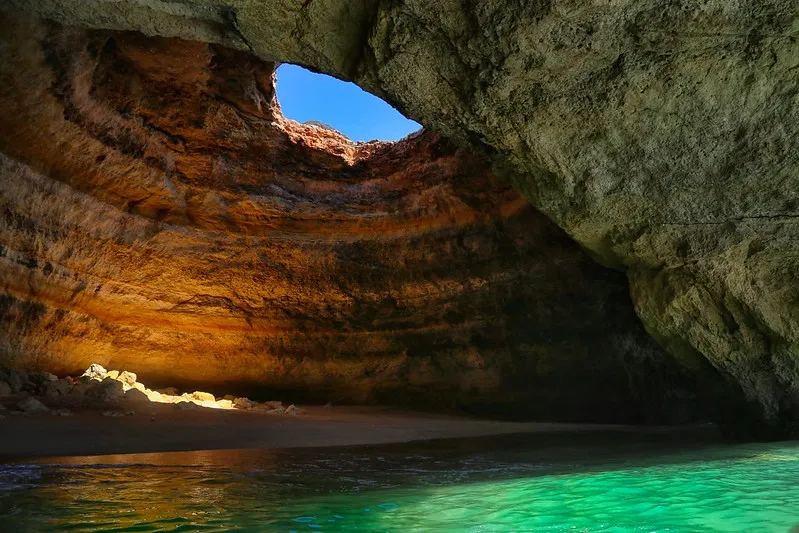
(157, 213)
(660, 134)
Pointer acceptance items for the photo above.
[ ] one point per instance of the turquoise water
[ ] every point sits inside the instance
(617, 483)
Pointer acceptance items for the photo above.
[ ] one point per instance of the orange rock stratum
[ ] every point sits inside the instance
(158, 213)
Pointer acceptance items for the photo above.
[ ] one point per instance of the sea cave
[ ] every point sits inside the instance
(573, 244)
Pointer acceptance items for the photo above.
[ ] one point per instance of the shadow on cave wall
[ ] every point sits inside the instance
(159, 215)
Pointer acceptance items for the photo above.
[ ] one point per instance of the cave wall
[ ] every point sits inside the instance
(158, 214)
(660, 134)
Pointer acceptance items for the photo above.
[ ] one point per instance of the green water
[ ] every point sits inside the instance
(616, 483)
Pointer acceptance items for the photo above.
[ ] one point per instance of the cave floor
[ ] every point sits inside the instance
(161, 428)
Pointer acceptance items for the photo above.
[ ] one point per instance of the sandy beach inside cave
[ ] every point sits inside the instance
(160, 428)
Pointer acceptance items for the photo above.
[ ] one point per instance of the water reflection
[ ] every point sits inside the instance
(515, 483)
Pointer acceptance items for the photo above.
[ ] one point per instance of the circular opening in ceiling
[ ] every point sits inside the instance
(324, 101)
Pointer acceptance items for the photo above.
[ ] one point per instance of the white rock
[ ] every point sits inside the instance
(95, 371)
(154, 396)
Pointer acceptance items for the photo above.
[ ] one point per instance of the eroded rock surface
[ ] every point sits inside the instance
(662, 135)
(97, 389)
(158, 214)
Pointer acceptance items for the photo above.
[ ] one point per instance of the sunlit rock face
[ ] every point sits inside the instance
(662, 135)
(157, 213)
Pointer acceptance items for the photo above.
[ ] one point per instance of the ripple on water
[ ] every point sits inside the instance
(749, 489)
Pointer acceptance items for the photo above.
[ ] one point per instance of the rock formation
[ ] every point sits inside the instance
(159, 214)
(660, 135)
(98, 388)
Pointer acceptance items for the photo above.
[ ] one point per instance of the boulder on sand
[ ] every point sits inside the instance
(129, 378)
(96, 372)
(32, 405)
(55, 389)
(37, 380)
(203, 396)
(107, 391)
(136, 396)
(244, 403)
(186, 405)
(16, 379)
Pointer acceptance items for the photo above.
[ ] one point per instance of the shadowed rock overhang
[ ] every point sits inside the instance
(660, 136)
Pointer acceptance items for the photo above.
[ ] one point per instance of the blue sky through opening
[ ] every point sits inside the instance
(304, 96)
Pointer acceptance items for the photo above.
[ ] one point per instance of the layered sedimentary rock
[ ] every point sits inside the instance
(662, 135)
(157, 213)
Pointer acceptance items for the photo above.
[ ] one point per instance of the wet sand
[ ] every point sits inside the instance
(161, 428)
